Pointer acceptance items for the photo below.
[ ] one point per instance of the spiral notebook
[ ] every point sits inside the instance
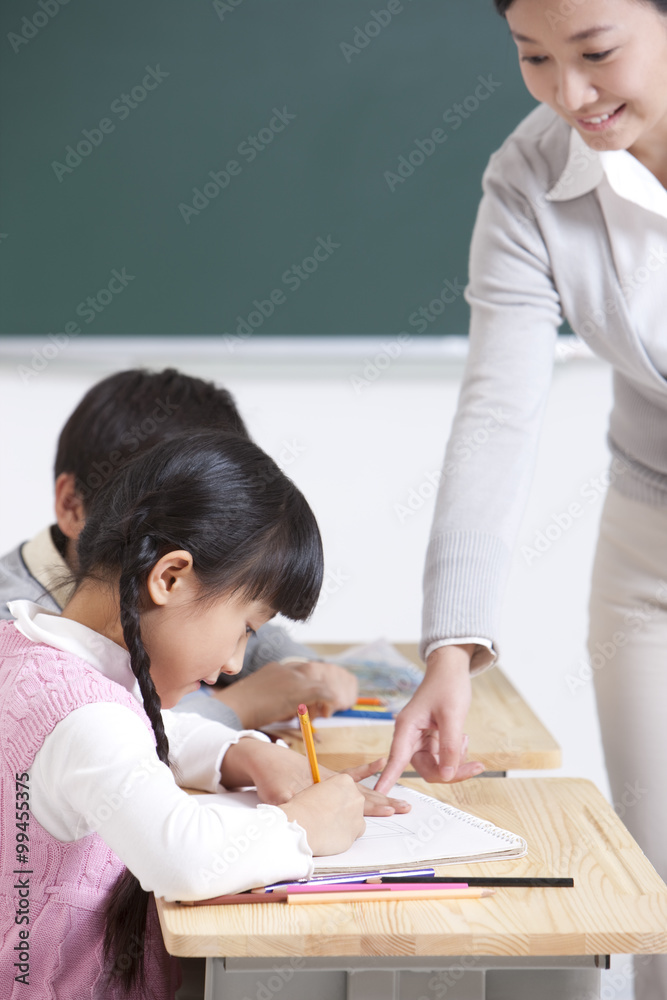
(432, 832)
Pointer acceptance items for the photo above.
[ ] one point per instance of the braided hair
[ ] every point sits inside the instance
(250, 532)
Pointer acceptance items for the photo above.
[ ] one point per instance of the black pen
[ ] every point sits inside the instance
(560, 883)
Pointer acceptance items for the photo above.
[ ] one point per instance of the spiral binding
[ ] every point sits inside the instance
(464, 817)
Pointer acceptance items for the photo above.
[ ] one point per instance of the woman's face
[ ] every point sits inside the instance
(602, 67)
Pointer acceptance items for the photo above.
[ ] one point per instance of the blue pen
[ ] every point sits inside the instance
(360, 713)
(354, 877)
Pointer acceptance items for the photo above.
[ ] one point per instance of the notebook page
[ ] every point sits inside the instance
(432, 832)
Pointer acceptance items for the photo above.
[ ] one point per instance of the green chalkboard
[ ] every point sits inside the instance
(224, 166)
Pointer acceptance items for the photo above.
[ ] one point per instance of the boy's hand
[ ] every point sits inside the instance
(272, 693)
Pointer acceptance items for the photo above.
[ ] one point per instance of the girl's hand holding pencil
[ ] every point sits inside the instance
(331, 812)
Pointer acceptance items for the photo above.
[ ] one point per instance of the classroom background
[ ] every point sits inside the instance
(319, 278)
(368, 461)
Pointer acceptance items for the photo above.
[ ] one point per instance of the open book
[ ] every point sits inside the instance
(432, 832)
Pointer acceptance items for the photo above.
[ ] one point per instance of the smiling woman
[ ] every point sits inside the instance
(603, 68)
(572, 225)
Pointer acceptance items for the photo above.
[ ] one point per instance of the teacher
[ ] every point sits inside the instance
(572, 225)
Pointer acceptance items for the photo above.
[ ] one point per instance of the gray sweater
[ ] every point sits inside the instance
(270, 643)
(534, 261)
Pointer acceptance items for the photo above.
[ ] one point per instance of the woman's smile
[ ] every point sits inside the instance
(603, 120)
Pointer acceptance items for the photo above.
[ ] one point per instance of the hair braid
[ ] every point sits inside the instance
(128, 904)
(132, 576)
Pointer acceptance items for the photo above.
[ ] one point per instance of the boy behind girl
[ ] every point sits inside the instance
(121, 416)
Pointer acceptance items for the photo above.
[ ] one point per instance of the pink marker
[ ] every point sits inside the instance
(362, 886)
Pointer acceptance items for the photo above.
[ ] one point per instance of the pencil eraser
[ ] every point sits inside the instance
(301, 709)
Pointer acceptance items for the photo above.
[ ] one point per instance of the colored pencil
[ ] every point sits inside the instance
(317, 898)
(309, 742)
(238, 898)
(365, 887)
(562, 883)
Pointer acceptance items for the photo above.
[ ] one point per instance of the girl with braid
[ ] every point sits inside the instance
(189, 549)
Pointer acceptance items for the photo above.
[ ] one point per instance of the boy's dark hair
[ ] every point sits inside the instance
(129, 412)
(250, 532)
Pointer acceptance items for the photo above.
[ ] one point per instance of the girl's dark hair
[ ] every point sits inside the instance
(250, 532)
(502, 6)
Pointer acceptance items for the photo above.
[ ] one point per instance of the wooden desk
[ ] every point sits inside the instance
(363, 951)
(505, 734)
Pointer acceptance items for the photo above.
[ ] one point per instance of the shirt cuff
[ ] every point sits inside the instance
(484, 655)
(197, 748)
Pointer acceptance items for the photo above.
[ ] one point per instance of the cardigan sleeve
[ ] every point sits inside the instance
(98, 772)
(490, 457)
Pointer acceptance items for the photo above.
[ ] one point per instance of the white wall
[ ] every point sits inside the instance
(356, 455)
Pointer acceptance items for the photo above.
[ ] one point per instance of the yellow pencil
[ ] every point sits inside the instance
(315, 898)
(307, 733)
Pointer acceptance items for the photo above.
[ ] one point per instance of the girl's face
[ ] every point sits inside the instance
(189, 641)
(602, 68)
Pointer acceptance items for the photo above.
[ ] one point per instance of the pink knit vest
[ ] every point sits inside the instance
(52, 907)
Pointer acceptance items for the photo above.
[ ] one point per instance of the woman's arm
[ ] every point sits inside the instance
(488, 467)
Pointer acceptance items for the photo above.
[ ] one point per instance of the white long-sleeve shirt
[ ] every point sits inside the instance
(562, 232)
(98, 771)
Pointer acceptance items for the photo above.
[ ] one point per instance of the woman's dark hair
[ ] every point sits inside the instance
(128, 412)
(250, 532)
(502, 6)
